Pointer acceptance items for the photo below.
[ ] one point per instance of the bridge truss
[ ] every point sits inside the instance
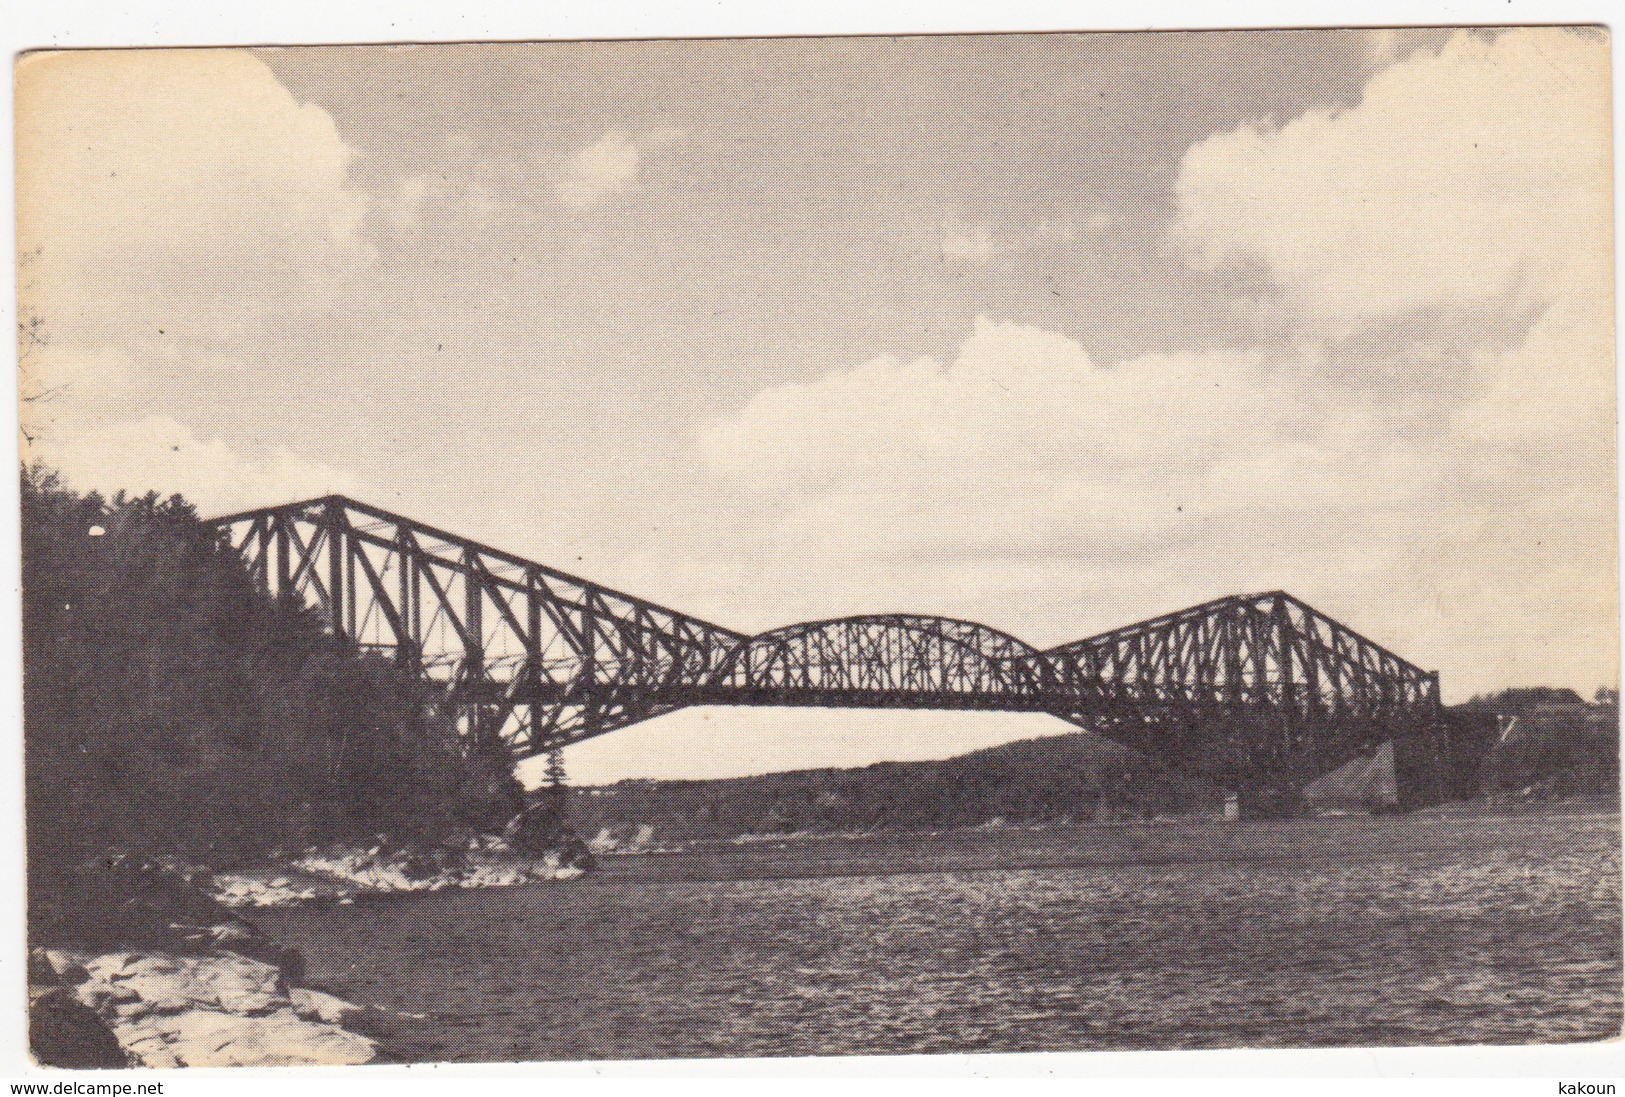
(1254, 689)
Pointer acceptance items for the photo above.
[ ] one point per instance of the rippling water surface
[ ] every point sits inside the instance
(1325, 932)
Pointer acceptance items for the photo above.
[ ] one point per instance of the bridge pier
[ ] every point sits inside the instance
(1421, 768)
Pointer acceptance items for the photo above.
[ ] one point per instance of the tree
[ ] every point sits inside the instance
(171, 704)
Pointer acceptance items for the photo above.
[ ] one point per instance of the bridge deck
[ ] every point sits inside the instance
(540, 658)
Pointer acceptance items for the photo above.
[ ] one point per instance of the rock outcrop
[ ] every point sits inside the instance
(532, 849)
(630, 838)
(216, 1010)
(149, 967)
(142, 967)
(344, 874)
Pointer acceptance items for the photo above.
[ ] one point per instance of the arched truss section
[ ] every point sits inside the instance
(884, 661)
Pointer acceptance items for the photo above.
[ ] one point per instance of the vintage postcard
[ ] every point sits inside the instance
(815, 547)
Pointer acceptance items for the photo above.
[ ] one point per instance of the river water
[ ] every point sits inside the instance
(1420, 930)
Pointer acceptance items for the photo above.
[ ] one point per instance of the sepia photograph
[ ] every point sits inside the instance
(783, 547)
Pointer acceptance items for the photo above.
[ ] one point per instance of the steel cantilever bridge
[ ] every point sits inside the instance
(1259, 690)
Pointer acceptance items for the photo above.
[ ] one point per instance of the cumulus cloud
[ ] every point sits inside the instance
(1459, 176)
(404, 210)
(1024, 483)
(1013, 398)
(453, 200)
(1438, 479)
(85, 426)
(1468, 181)
(158, 453)
(174, 230)
(603, 170)
(209, 196)
(1023, 476)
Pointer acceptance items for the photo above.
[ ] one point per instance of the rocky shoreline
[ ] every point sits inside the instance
(160, 1009)
(145, 962)
(345, 874)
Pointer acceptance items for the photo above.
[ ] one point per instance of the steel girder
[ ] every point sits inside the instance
(529, 654)
(1258, 650)
(536, 658)
(1262, 687)
(883, 661)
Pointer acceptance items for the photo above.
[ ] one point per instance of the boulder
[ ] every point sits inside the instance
(64, 1032)
(540, 830)
(243, 938)
(169, 1010)
(173, 984)
(207, 1038)
(40, 971)
(316, 1005)
(256, 890)
(68, 965)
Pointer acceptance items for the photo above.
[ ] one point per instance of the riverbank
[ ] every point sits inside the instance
(1187, 837)
(346, 874)
(164, 1009)
(134, 963)
(145, 961)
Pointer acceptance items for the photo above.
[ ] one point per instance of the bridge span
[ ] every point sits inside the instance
(1253, 691)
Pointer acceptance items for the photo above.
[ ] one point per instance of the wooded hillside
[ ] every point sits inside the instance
(171, 705)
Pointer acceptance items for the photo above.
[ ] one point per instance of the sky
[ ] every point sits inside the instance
(1050, 332)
